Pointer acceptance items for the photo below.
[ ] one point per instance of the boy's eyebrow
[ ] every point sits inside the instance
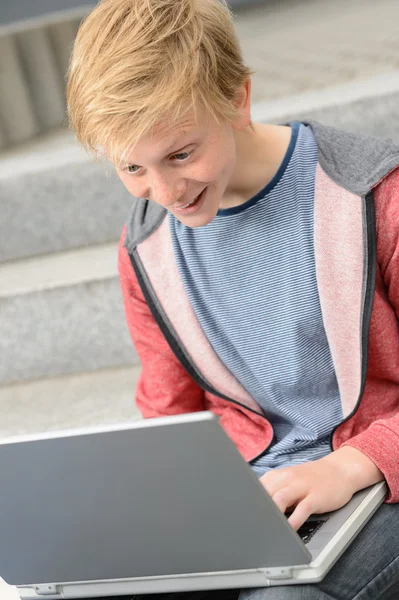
(182, 134)
(170, 151)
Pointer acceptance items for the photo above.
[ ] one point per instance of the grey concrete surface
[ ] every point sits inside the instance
(64, 329)
(66, 402)
(49, 150)
(298, 45)
(44, 80)
(17, 117)
(33, 61)
(371, 89)
(379, 117)
(376, 116)
(58, 270)
(65, 206)
(22, 10)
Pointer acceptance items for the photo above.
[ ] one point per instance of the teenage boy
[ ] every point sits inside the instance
(259, 269)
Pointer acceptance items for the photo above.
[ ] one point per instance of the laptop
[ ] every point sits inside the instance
(157, 505)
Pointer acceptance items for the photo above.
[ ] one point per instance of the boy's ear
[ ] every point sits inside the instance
(243, 104)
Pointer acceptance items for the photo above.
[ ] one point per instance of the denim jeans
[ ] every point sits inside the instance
(368, 570)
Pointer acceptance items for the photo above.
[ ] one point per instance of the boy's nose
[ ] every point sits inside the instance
(167, 192)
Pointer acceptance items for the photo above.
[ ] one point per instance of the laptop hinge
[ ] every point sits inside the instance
(49, 589)
(278, 572)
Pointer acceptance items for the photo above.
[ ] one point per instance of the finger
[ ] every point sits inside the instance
(272, 481)
(286, 497)
(302, 512)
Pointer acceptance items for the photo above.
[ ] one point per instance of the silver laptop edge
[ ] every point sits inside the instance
(322, 556)
(311, 573)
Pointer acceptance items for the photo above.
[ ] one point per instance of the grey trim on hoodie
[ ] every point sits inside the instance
(145, 218)
(353, 161)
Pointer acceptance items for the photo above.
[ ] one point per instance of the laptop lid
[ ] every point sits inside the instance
(155, 497)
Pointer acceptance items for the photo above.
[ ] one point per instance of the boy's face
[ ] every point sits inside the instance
(186, 168)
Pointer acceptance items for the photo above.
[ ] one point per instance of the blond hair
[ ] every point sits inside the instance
(136, 63)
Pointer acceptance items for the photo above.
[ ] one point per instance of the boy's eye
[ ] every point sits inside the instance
(181, 155)
(132, 168)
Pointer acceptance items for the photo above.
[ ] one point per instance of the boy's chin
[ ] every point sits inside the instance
(197, 220)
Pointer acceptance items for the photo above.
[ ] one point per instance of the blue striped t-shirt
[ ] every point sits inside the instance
(250, 277)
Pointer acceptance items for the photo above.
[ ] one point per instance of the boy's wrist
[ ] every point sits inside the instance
(356, 467)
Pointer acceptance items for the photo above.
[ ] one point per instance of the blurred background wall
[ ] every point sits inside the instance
(66, 356)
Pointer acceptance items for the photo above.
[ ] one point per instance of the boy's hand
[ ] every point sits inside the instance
(322, 485)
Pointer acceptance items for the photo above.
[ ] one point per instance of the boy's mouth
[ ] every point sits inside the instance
(192, 205)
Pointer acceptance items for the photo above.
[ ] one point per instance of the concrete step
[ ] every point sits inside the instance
(34, 55)
(368, 106)
(61, 314)
(105, 396)
(54, 197)
(17, 115)
(43, 78)
(26, 11)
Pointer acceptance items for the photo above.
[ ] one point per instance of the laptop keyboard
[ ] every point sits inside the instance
(309, 528)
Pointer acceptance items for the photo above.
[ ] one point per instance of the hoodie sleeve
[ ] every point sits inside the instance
(380, 440)
(164, 387)
(387, 225)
